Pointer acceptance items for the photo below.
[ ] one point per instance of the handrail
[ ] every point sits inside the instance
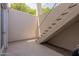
(48, 13)
(45, 18)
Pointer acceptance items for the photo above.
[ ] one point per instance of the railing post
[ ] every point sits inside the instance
(38, 12)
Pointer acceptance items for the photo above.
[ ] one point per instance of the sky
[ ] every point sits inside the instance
(32, 5)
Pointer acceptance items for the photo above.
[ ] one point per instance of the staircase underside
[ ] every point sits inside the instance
(59, 20)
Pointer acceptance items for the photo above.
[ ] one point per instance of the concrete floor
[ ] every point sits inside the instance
(63, 51)
(29, 48)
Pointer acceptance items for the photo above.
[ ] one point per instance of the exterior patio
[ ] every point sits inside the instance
(22, 34)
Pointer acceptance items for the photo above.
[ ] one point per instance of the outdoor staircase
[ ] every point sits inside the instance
(58, 19)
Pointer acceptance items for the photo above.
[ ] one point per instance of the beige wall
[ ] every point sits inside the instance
(68, 38)
(21, 25)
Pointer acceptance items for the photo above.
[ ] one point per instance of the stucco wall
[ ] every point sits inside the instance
(21, 25)
(68, 38)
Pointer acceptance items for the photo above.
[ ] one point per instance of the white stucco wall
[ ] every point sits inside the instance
(21, 25)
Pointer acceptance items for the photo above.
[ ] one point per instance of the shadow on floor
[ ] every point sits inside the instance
(58, 49)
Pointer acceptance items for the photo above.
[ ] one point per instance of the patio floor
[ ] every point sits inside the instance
(29, 48)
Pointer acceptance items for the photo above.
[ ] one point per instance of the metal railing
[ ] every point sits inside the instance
(38, 29)
(55, 4)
